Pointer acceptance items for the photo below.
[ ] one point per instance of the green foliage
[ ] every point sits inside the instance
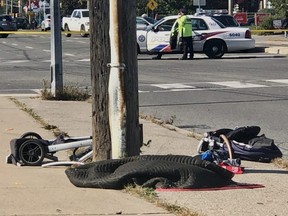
(171, 7)
(69, 5)
(280, 6)
(267, 23)
(267, 10)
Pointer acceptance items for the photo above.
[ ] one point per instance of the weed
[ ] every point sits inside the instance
(150, 195)
(283, 163)
(71, 92)
(56, 131)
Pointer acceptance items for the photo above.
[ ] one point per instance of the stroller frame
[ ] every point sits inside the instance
(31, 149)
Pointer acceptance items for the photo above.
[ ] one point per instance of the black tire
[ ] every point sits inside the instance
(214, 49)
(32, 153)
(82, 31)
(31, 135)
(66, 28)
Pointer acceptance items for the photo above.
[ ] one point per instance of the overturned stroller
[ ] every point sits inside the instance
(242, 143)
(31, 149)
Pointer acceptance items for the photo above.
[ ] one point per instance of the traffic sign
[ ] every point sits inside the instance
(152, 4)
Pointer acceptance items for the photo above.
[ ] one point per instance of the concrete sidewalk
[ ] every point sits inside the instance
(273, 44)
(47, 191)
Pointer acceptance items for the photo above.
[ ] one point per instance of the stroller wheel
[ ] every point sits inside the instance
(31, 135)
(31, 152)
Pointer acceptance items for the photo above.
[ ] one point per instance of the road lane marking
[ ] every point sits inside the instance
(15, 61)
(84, 60)
(283, 81)
(237, 84)
(68, 54)
(173, 86)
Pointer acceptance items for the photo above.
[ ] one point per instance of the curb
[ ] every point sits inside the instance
(277, 50)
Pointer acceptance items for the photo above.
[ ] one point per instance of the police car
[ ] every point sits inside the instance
(209, 36)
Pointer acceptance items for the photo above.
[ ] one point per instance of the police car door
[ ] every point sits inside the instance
(158, 38)
(197, 26)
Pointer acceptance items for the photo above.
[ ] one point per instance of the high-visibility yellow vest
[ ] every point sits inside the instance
(184, 26)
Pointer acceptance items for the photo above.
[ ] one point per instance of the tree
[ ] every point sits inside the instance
(100, 57)
(69, 5)
(280, 7)
(128, 27)
(170, 7)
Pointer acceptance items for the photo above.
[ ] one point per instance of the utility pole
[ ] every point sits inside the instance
(117, 102)
(56, 50)
(123, 68)
(230, 7)
(123, 80)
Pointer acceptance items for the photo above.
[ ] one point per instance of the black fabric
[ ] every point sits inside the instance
(165, 171)
(257, 153)
(173, 41)
(187, 47)
(14, 147)
(243, 134)
(246, 144)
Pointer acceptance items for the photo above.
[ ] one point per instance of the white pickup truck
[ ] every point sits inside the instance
(78, 21)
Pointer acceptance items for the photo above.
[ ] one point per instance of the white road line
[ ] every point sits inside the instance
(173, 86)
(14, 44)
(15, 61)
(68, 54)
(4, 42)
(237, 84)
(28, 47)
(46, 50)
(84, 60)
(284, 81)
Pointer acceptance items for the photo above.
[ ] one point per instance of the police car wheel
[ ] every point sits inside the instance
(214, 49)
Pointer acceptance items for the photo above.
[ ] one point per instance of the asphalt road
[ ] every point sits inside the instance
(200, 95)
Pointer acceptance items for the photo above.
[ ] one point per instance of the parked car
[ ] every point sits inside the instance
(209, 36)
(78, 21)
(46, 23)
(7, 24)
(22, 23)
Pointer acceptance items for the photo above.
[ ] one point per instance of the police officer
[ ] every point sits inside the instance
(185, 33)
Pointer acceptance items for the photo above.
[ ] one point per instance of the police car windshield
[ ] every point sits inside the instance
(226, 20)
(150, 20)
(155, 24)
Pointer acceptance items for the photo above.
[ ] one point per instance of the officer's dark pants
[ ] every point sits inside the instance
(187, 47)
